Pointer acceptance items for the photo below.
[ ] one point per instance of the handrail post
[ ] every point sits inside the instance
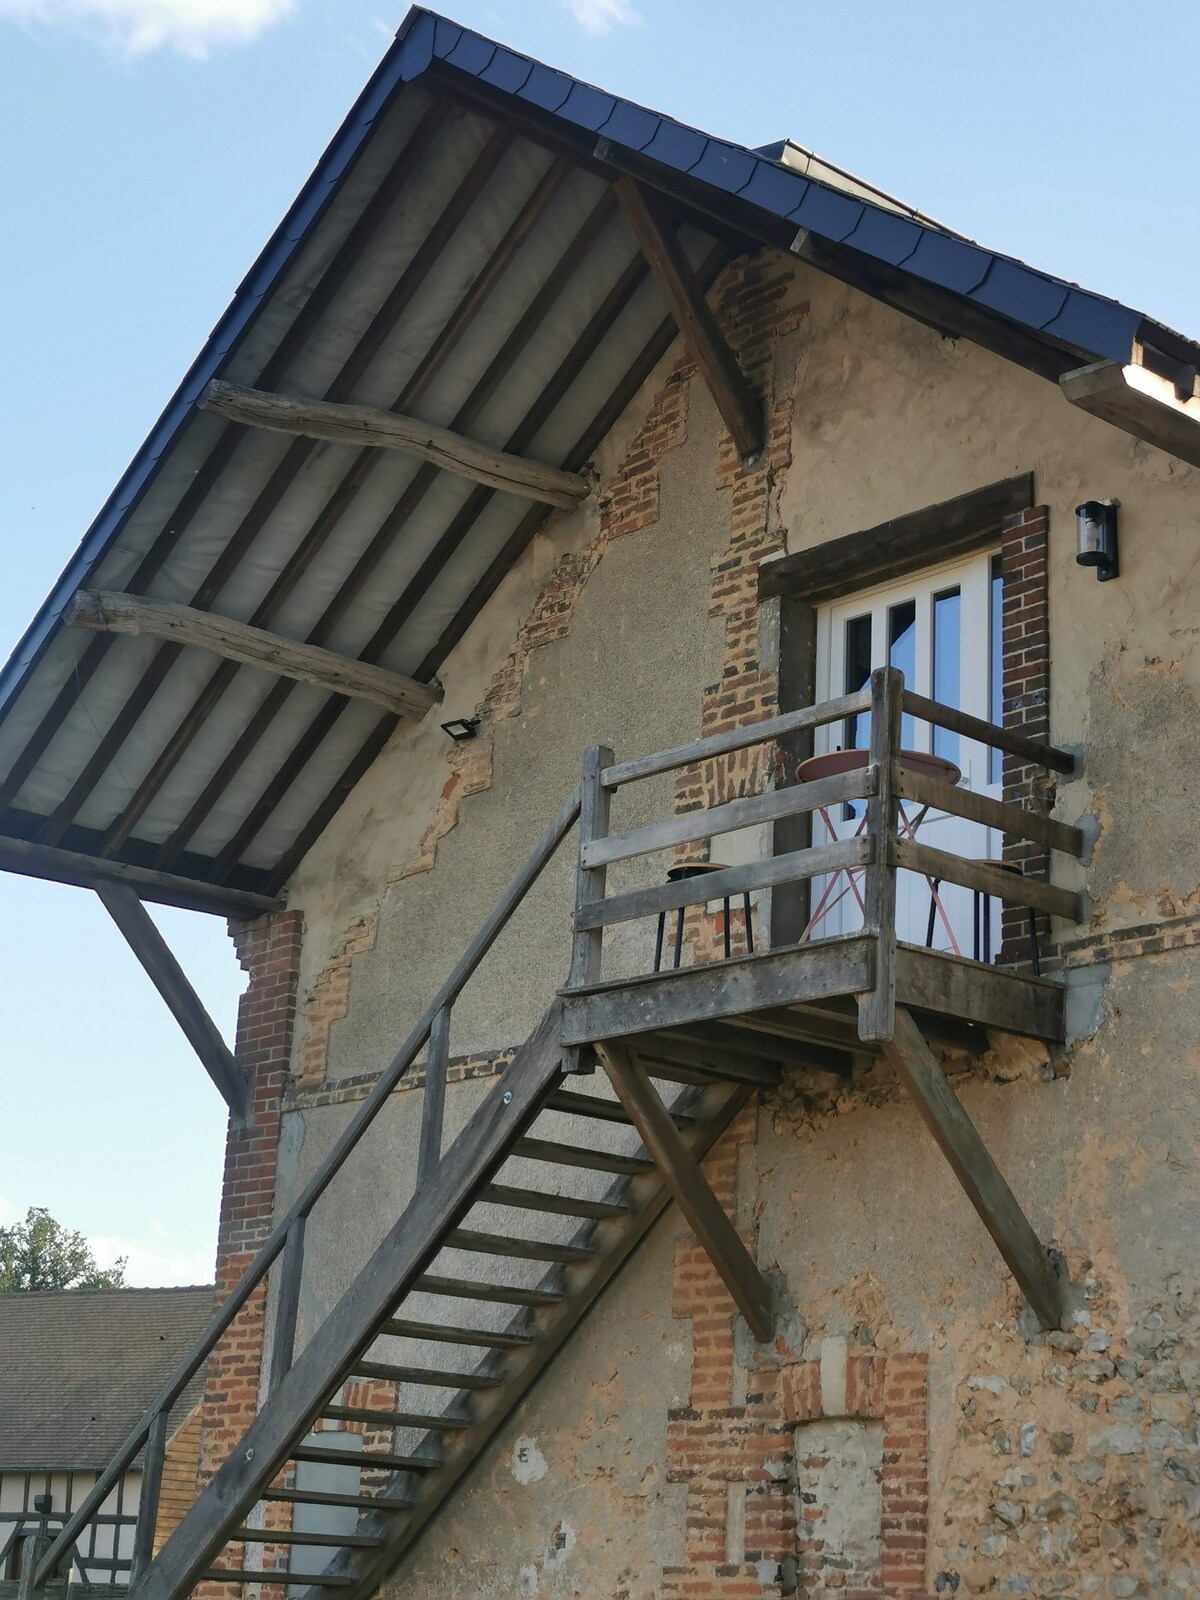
(287, 1306)
(33, 1547)
(587, 947)
(147, 1519)
(437, 1054)
(877, 1009)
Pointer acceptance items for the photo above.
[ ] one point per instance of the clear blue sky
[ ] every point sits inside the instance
(150, 147)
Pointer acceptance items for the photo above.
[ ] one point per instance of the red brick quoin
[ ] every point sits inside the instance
(737, 1459)
(269, 951)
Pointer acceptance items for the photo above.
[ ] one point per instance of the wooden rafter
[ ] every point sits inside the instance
(32, 860)
(284, 476)
(1137, 401)
(125, 907)
(400, 174)
(365, 463)
(739, 406)
(374, 428)
(682, 1175)
(1043, 1284)
(104, 611)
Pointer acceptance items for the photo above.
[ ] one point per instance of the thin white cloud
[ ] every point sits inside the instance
(154, 1259)
(602, 16)
(136, 27)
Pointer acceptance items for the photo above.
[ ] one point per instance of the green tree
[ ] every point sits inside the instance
(40, 1253)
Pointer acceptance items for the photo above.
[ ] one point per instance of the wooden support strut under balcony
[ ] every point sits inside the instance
(107, 611)
(389, 430)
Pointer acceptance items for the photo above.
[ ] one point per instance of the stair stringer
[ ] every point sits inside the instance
(615, 1241)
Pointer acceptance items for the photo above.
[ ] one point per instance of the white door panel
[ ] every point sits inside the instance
(938, 627)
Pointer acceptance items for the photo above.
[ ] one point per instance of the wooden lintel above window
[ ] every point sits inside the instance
(905, 544)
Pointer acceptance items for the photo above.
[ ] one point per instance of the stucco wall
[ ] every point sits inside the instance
(1057, 1466)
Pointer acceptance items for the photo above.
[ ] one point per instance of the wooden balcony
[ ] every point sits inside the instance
(825, 1002)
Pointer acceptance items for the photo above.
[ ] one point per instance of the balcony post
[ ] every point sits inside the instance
(437, 1054)
(153, 1458)
(587, 949)
(877, 1010)
(287, 1306)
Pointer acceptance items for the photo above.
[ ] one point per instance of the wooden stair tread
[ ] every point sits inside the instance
(433, 1377)
(503, 1293)
(445, 1333)
(497, 1244)
(323, 1497)
(565, 1205)
(591, 1105)
(350, 1541)
(321, 1580)
(433, 1422)
(570, 1155)
(363, 1458)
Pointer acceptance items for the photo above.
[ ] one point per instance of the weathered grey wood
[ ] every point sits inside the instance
(700, 994)
(431, 1421)
(490, 930)
(433, 1107)
(556, 1154)
(724, 744)
(394, 1267)
(109, 611)
(740, 408)
(153, 1458)
(447, 1333)
(430, 1377)
(1005, 815)
(727, 818)
(1104, 388)
(879, 918)
(495, 1244)
(241, 1575)
(595, 797)
(185, 1005)
(904, 544)
(650, 1198)
(56, 865)
(706, 1057)
(388, 430)
(935, 981)
(349, 1541)
(287, 1304)
(704, 1212)
(1010, 886)
(470, 1289)
(326, 1497)
(1043, 1285)
(561, 1205)
(1007, 739)
(727, 881)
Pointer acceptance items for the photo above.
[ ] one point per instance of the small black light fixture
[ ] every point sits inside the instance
(1097, 521)
(43, 1504)
(461, 729)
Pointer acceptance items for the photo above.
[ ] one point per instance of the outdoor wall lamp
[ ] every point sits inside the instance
(461, 729)
(1097, 520)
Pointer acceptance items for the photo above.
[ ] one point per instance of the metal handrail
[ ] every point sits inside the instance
(489, 931)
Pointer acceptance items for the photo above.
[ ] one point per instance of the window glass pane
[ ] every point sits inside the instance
(902, 653)
(947, 666)
(996, 667)
(856, 734)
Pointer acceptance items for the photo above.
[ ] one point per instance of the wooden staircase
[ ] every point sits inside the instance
(517, 1227)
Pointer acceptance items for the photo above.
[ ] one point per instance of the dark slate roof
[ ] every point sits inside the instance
(79, 1367)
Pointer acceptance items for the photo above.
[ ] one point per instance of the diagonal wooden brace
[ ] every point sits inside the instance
(682, 1175)
(1042, 1282)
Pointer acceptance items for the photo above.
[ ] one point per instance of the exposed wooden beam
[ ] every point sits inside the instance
(371, 426)
(681, 1173)
(107, 611)
(32, 860)
(901, 545)
(740, 407)
(1139, 402)
(1044, 1285)
(125, 907)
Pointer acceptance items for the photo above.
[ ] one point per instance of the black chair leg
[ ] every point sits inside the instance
(727, 927)
(749, 925)
(1033, 944)
(679, 938)
(934, 885)
(658, 942)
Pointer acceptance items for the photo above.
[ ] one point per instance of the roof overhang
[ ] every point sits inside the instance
(457, 256)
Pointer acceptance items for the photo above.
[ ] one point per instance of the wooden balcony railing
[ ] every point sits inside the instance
(877, 853)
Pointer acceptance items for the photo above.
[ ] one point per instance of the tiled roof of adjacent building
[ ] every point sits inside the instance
(79, 1367)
